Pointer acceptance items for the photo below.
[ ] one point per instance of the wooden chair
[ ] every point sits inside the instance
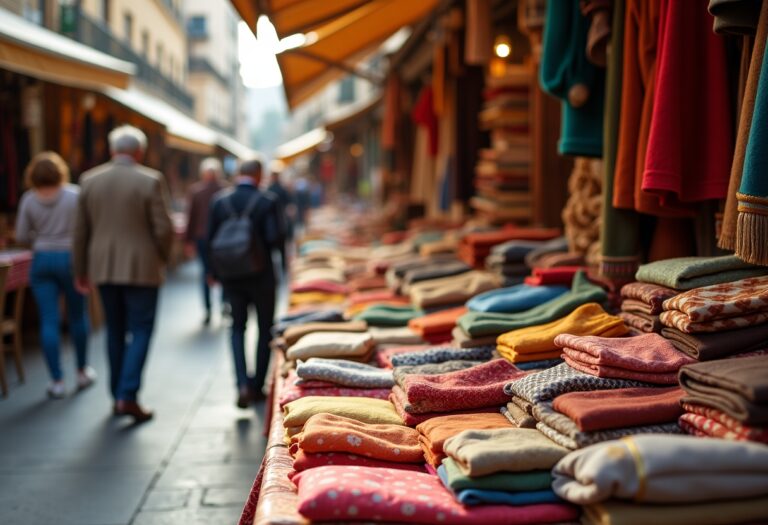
(10, 327)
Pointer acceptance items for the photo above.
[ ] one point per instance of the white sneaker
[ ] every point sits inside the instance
(56, 390)
(85, 377)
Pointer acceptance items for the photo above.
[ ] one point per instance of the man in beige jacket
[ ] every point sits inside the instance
(122, 242)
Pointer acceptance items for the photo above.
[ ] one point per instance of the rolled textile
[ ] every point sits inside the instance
(582, 291)
(345, 373)
(438, 322)
(716, 345)
(719, 307)
(331, 433)
(675, 469)
(559, 244)
(529, 344)
(336, 493)
(645, 297)
(331, 344)
(625, 407)
(519, 416)
(441, 354)
(642, 322)
(615, 512)
(714, 423)
(686, 273)
(483, 452)
(514, 298)
(472, 497)
(305, 460)
(401, 372)
(398, 399)
(456, 480)
(738, 387)
(562, 276)
(367, 410)
(296, 332)
(398, 335)
(452, 290)
(434, 432)
(476, 387)
(462, 340)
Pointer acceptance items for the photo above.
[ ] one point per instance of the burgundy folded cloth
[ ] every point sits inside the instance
(648, 357)
(643, 322)
(716, 345)
(475, 387)
(398, 400)
(645, 297)
(319, 285)
(706, 421)
(620, 408)
(384, 355)
(548, 276)
(307, 460)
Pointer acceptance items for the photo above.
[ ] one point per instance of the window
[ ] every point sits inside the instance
(145, 43)
(347, 90)
(197, 27)
(159, 58)
(128, 28)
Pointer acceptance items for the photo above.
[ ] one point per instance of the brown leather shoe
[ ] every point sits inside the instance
(133, 409)
(243, 398)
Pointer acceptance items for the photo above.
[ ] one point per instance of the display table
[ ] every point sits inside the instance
(21, 263)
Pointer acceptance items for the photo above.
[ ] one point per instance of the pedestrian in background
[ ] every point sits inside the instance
(249, 279)
(46, 222)
(287, 209)
(122, 243)
(200, 196)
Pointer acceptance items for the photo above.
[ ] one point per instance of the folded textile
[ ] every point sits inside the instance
(648, 357)
(671, 467)
(388, 315)
(539, 365)
(528, 344)
(442, 354)
(615, 512)
(307, 316)
(716, 345)
(305, 460)
(452, 290)
(398, 399)
(483, 452)
(352, 311)
(363, 409)
(296, 332)
(472, 496)
(520, 416)
(331, 344)
(337, 494)
(374, 296)
(292, 392)
(514, 298)
(319, 286)
(436, 323)
(384, 353)
(559, 275)
(399, 335)
(624, 407)
(331, 433)
(433, 271)
(345, 373)
(559, 244)
(434, 432)
(645, 323)
(686, 273)
(582, 292)
(515, 250)
(714, 423)
(475, 387)
(738, 387)
(560, 259)
(645, 297)
(719, 307)
(462, 340)
(456, 480)
(401, 372)
(366, 283)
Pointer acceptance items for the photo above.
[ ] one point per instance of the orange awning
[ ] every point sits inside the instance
(340, 32)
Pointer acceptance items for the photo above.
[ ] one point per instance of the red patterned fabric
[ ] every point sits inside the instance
(715, 423)
(398, 400)
(549, 276)
(306, 460)
(291, 392)
(645, 297)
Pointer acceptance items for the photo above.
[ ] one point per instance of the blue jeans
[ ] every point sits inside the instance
(50, 278)
(130, 315)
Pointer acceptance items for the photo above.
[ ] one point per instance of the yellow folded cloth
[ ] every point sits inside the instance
(299, 298)
(538, 342)
(363, 409)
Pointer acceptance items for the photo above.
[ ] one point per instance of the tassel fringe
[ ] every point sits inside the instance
(752, 238)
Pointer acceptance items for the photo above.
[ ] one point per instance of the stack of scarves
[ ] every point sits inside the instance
(359, 301)
(475, 247)
(293, 333)
(513, 299)
(431, 272)
(536, 257)
(419, 397)
(500, 466)
(727, 399)
(686, 273)
(537, 343)
(507, 260)
(308, 315)
(451, 291)
(363, 409)
(295, 388)
(436, 328)
(434, 432)
(348, 345)
(716, 345)
(642, 303)
(667, 480)
(557, 276)
(396, 274)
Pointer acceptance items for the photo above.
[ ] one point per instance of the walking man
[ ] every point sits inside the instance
(122, 242)
(248, 277)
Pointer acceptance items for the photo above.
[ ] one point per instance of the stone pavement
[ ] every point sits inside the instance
(70, 462)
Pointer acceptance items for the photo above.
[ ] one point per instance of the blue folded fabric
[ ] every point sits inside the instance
(539, 365)
(516, 250)
(513, 299)
(471, 497)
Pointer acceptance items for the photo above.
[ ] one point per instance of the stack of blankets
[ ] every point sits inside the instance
(507, 260)
(475, 247)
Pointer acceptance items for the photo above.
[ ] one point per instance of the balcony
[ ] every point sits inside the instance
(94, 34)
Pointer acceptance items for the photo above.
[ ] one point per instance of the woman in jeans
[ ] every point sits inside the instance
(46, 222)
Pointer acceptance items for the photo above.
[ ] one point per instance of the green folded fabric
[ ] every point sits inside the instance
(582, 291)
(506, 481)
(387, 315)
(686, 273)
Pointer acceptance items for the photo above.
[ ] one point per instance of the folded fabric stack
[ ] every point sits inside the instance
(727, 399)
(475, 247)
(641, 304)
(363, 409)
(507, 260)
(535, 257)
(366, 283)
(537, 343)
(319, 285)
(386, 315)
(434, 432)
(385, 353)
(430, 272)
(343, 373)
(513, 299)
(308, 315)
(436, 328)
(295, 332)
(441, 354)
(561, 275)
(717, 345)
(399, 335)
(666, 480)
(396, 273)
(500, 466)
(418, 397)
(451, 291)
(294, 388)
(347, 345)
(359, 301)
(686, 273)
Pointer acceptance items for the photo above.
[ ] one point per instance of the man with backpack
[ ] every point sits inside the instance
(244, 227)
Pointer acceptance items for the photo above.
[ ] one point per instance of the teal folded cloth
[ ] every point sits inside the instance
(514, 298)
(472, 497)
(686, 273)
(316, 245)
(476, 324)
(532, 480)
(387, 315)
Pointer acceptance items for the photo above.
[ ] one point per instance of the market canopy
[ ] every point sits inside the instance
(338, 34)
(29, 49)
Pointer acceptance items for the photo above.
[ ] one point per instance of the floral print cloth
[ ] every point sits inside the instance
(714, 423)
(307, 460)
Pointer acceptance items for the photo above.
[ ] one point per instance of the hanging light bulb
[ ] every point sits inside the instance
(502, 46)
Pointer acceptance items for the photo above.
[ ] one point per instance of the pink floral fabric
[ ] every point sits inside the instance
(338, 494)
(307, 460)
(714, 423)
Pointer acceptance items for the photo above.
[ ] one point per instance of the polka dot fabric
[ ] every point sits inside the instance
(388, 495)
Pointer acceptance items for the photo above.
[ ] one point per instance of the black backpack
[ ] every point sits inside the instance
(237, 249)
